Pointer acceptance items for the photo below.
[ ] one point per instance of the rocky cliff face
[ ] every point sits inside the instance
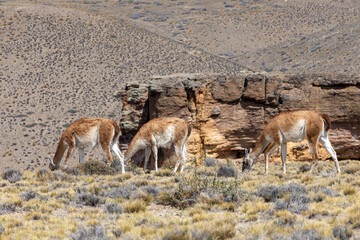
(228, 113)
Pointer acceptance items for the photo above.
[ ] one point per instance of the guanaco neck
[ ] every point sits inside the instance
(133, 148)
(259, 148)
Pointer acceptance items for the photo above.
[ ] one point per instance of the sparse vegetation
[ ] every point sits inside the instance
(201, 206)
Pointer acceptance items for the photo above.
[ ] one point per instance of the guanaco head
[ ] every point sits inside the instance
(248, 161)
(53, 166)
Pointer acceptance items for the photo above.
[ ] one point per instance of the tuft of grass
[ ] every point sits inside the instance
(135, 206)
(139, 194)
(307, 179)
(285, 217)
(11, 175)
(228, 206)
(164, 173)
(43, 175)
(349, 190)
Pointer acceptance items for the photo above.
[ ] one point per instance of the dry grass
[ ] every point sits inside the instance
(193, 205)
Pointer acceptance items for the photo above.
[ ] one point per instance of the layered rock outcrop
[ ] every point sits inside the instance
(228, 113)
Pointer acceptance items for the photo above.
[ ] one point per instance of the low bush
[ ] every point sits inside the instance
(72, 171)
(88, 199)
(226, 171)
(29, 194)
(151, 190)
(95, 167)
(113, 208)
(93, 233)
(189, 189)
(210, 162)
(11, 175)
(122, 192)
(308, 234)
(272, 193)
(341, 232)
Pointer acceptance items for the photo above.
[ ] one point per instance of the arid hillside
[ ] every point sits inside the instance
(60, 64)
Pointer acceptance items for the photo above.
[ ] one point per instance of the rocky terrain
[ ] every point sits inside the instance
(61, 60)
(228, 113)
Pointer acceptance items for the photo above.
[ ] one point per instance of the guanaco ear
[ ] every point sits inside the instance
(250, 150)
(246, 152)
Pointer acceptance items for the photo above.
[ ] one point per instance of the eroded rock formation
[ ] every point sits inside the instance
(229, 112)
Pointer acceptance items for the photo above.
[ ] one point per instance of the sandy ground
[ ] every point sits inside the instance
(61, 60)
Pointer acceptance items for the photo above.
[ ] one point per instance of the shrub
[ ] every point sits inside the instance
(1, 229)
(43, 174)
(272, 193)
(327, 191)
(297, 203)
(226, 171)
(88, 199)
(269, 193)
(151, 190)
(93, 233)
(29, 194)
(190, 188)
(113, 208)
(341, 232)
(122, 192)
(7, 208)
(308, 234)
(210, 162)
(95, 167)
(11, 175)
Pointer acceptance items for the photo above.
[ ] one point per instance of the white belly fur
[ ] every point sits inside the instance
(295, 134)
(91, 139)
(166, 138)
